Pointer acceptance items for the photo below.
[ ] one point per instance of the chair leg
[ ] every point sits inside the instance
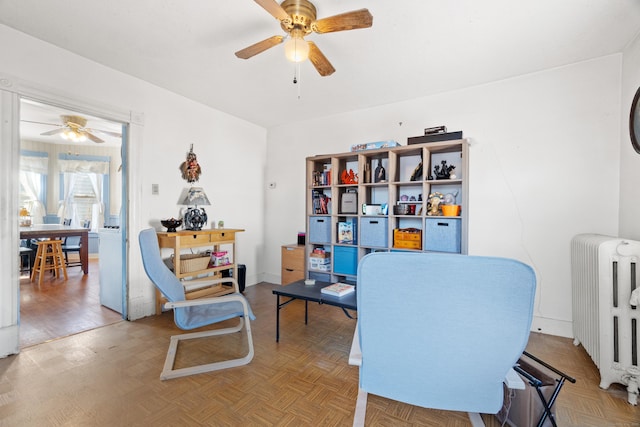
(476, 419)
(168, 372)
(59, 262)
(37, 263)
(361, 408)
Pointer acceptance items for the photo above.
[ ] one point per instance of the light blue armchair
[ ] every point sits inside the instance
(195, 313)
(441, 331)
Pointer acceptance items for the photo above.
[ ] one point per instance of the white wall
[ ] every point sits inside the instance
(544, 166)
(231, 151)
(629, 159)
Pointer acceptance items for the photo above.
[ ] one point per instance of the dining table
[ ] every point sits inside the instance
(59, 231)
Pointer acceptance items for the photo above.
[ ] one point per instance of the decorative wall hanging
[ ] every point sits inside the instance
(634, 122)
(190, 168)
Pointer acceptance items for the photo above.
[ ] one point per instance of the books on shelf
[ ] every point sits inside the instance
(338, 289)
(321, 203)
(322, 178)
(347, 231)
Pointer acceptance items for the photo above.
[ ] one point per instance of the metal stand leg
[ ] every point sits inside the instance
(535, 382)
(278, 319)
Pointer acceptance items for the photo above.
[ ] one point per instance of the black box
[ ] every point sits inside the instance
(448, 136)
(241, 277)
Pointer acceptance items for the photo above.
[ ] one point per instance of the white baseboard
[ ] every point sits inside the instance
(561, 328)
(9, 340)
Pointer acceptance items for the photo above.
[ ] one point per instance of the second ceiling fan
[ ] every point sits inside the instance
(298, 19)
(74, 128)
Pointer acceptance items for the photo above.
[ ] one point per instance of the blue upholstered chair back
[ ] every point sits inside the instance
(442, 330)
(156, 269)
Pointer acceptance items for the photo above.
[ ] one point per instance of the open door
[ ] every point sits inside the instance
(9, 296)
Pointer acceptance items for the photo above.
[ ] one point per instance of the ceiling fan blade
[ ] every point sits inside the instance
(53, 132)
(40, 123)
(317, 58)
(259, 47)
(353, 20)
(93, 138)
(274, 9)
(105, 132)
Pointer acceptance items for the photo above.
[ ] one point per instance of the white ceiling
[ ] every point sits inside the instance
(414, 48)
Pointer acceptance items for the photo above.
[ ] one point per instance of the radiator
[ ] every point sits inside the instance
(604, 281)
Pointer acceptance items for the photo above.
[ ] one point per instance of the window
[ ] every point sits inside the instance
(84, 189)
(83, 196)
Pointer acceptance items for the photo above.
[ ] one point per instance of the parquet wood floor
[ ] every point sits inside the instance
(110, 376)
(61, 308)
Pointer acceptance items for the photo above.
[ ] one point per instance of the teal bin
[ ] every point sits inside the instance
(345, 260)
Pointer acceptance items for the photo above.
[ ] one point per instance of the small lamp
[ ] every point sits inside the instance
(194, 217)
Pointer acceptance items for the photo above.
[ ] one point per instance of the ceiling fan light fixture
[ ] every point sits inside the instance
(296, 49)
(72, 135)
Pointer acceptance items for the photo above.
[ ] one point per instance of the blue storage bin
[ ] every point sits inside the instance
(320, 229)
(345, 260)
(374, 232)
(442, 235)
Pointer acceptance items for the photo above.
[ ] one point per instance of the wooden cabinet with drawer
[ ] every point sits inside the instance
(292, 263)
(191, 267)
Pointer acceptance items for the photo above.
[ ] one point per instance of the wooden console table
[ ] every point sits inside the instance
(195, 281)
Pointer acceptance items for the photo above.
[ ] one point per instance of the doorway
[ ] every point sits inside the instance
(75, 174)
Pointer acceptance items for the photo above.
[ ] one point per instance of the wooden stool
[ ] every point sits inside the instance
(48, 250)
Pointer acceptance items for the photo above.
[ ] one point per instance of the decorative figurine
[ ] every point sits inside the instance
(349, 177)
(417, 173)
(433, 204)
(443, 172)
(190, 168)
(380, 174)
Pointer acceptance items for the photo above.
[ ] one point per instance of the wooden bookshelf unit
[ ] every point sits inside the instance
(347, 194)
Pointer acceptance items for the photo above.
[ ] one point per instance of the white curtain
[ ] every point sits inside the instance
(68, 208)
(97, 210)
(87, 166)
(31, 171)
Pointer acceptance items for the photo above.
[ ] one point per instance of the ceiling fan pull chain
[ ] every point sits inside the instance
(299, 80)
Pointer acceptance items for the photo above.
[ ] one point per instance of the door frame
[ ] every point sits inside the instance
(12, 89)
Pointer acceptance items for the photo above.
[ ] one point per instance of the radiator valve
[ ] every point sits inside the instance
(632, 378)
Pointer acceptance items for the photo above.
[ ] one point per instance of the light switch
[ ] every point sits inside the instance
(155, 189)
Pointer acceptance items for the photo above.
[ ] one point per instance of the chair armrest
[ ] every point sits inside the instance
(513, 380)
(204, 301)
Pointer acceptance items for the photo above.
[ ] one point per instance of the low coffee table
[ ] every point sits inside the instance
(298, 290)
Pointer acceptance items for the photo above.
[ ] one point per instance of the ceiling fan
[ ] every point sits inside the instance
(73, 128)
(298, 19)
